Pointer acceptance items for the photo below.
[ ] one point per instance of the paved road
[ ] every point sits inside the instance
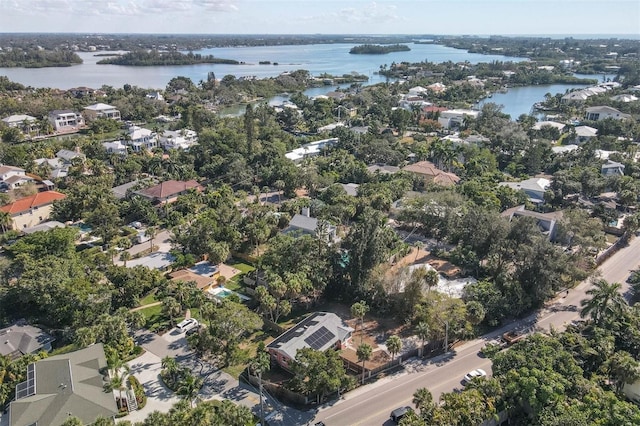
(372, 404)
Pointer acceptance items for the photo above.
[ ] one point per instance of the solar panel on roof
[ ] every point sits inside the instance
(319, 338)
(28, 387)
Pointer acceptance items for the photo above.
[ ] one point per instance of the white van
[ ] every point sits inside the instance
(187, 325)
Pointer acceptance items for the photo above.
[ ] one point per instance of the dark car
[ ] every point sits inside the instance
(399, 413)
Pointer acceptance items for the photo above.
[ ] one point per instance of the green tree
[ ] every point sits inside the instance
(622, 369)
(605, 302)
(364, 353)
(422, 331)
(394, 345)
(189, 387)
(171, 308)
(260, 364)
(359, 311)
(423, 400)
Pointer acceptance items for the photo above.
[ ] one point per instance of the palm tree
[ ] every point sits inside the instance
(171, 309)
(170, 365)
(151, 233)
(431, 278)
(359, 310)
(189, 387)
(364, 352)
(422, 330)
(260, 364)
(118, 383)
(394, 345)
(279, 185)
(124, 256)
(5, 221)
(423, 400)
(606, 301)
(419, 245)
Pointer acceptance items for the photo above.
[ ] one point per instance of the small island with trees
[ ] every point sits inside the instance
(34, 58)
(378, 49)
(143, 58)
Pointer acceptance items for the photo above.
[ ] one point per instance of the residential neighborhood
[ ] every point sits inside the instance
(402, 252)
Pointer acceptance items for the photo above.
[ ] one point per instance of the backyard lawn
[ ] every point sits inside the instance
(236, 283)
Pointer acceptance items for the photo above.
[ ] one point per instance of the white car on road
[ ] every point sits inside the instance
(473, 374)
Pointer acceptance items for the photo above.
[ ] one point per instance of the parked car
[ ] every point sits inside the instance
(474, 374)
(399, 413)
(187, 325)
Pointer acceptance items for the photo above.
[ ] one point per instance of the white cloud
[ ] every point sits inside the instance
(370, 13)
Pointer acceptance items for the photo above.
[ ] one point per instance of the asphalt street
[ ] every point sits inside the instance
(372, 404)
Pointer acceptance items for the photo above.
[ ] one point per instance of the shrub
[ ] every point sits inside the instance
(138, 391)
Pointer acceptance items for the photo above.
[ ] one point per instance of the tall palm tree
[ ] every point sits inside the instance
(394, 345)
(364, 353)
(170, 365)
(258, 365)
(606, 301)
(151, 233)
(118, 383)
(189, 387)
(422, 330)
(359, 310)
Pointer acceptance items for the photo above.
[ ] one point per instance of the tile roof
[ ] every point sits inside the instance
(37, 200)
(186, 275)
(169, 188)
(428, 169)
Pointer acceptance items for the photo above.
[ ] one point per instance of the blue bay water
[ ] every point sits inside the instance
(317, 59)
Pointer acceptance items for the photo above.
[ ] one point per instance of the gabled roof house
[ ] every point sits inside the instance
(533, 187)
(320, 331)
(32, 210)
(62, 386)
(431, 173)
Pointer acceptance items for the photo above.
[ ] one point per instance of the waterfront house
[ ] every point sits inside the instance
(62, 386)
(32, 210)
(624, 98)
(65, 120)
(320, 331)
(25, 123)
(100, 110)
(597, 113)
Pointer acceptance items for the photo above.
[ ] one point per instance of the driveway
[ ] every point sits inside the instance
(147, 368)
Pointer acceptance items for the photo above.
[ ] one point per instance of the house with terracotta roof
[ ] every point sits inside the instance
(32, 210)
(168, 191)
(432, 174)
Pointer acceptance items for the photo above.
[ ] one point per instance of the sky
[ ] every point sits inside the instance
(478, 17)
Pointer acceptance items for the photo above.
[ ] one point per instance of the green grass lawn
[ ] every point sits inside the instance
(156, 320)
(250, 348)
(148, 299)
(236, 283)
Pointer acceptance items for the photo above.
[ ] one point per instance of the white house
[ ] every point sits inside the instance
(178, 139)
(65, 120)
(454, 118)
(101, 110)
(585, 134)
(23, 122)
(624, 98)
(540, 124)
(13, 177)
(116, 147)
(417, 91)
(310, 149)
(141, 139)
(598, 113)
(534, 188)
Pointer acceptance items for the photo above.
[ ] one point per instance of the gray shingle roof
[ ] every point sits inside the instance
(320, 331)
(22, 338)
(66, 385)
